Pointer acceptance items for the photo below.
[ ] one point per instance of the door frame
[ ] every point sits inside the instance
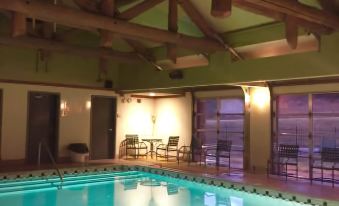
(57, 124)
(91, 120)
(1, 113)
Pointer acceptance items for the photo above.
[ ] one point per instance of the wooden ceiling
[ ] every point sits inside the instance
(34, 24)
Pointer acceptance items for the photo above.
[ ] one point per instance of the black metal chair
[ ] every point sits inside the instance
(164, 150)
(287, 156)
(222, 150)
(329, 161)
(184, 151)
(132, 147)
(195, 149)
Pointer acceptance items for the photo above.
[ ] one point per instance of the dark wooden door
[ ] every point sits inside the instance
(103, 127)
(0, 120)
(43, 119)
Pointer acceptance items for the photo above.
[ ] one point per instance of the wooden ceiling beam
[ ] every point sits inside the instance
(19, 24)
(172, 27)
(143, 53)
(291, 32)
(279, 16)
(199, 20)
(107, 7)
(221, 8)
(64, 48)
(79, 19)
(330, 6)
(138, 9)
(302, 11)
(88, 5)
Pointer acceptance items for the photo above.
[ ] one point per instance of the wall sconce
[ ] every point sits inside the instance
(88, 104)
(260, 96)
(154, 118)
(125, 99)
(64, 108)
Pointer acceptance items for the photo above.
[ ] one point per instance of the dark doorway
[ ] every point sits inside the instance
(42, 126)
(0, 120)
(103, 127)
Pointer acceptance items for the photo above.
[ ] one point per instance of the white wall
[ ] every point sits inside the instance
(134, 118)
(75, 127)
(173, 118)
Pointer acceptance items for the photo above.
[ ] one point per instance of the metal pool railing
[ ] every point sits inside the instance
(41, 144)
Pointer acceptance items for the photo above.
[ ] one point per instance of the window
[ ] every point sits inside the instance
(310, 121)
(221, 118)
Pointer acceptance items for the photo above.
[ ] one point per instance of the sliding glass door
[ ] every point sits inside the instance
(310, 121)
(220, 118)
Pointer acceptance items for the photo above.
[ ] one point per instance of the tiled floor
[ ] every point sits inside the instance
(301, 187)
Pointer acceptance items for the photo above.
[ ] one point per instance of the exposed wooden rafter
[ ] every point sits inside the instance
(19, 24)
(64, 48)
(291, 32)
(330, 6)
(172, 27)
(221, 8)
(107, 7)
(138, 9)
(143, 52)
(299, 10)
(204, 26)
(79, 19)
(280, 16)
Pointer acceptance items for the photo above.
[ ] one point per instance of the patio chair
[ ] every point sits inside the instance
(165, 150)
(222, 150)
(329, 161)
(287, 156)
(195, 149)
(184, 151)
(132, 147)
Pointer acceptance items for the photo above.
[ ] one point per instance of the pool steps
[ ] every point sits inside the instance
(7, 187)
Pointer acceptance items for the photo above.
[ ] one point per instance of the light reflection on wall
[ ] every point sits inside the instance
(260, 97)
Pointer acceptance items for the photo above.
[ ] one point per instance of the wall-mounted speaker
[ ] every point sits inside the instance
(177, 74)
(108, 84)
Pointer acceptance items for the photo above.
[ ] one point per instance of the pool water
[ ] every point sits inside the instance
(130, 188)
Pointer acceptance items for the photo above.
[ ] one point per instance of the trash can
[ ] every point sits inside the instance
(79, 152)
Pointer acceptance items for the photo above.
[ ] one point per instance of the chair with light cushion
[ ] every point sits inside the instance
(133, 147)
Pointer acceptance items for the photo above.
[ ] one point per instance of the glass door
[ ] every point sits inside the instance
(220, 118)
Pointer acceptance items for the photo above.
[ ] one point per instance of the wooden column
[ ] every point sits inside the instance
(221, 8)
(172, 27)
(19, 24)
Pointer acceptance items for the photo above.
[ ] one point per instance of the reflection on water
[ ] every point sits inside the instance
(141, 190)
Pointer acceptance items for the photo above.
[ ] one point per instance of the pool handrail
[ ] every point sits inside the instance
(43, 143)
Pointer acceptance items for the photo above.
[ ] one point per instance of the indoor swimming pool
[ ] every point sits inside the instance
(126, 188)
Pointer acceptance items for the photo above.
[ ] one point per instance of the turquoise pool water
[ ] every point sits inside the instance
(126, 189)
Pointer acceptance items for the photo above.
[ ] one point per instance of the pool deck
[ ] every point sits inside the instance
(298, 187)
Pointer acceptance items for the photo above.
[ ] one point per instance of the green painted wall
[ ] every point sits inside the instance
(222, 71)
(19, 64)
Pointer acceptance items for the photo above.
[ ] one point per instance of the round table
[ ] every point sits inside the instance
(151, 141)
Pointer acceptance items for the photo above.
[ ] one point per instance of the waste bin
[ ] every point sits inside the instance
(79, 152)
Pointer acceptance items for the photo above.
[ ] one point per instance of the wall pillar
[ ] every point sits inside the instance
(257, 128)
